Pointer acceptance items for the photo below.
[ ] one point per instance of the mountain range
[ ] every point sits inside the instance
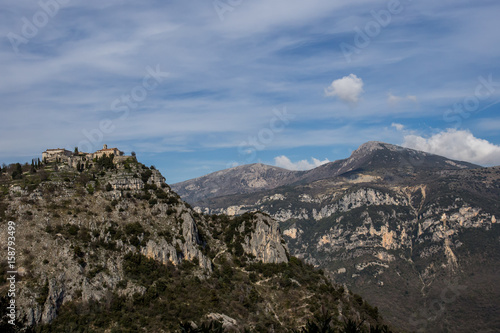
(372, 156)
(414, 233)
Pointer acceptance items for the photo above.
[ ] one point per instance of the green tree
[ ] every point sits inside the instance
(33, 166)
(351, 326)
(106, 162)
(210, 327)
(18, 172)
(379, 329)
(322, 323)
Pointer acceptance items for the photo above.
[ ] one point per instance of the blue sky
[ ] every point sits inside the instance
(198, 86)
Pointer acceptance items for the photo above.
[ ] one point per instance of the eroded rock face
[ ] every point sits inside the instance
(227, 322)
(265, 241)
(360, 198)
(161, 251)
(124, 182)
(190, 248)
(54, 300)
(323, 207)
(156, 178)
(292, 232)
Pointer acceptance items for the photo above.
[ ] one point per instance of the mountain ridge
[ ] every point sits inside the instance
(368, 156)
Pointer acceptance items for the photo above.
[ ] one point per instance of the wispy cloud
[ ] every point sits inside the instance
(393, 100)
(488, 125)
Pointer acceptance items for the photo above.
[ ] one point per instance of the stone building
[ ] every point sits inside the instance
(52, 155)
(107, 151)
(80, 159)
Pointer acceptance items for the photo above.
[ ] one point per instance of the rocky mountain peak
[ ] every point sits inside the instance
(372, 146)
(380, 156)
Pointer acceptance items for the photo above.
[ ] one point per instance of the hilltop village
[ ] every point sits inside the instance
(82, 160)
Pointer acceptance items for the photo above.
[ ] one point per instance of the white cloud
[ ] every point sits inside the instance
(457, 144)
(348, 88)
(393, 99)
(398, 127)
(284, 162)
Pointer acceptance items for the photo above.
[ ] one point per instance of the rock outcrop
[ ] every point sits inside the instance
(265, 242)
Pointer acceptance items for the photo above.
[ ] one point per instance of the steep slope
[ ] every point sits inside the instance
(414, 233)
(113, 249)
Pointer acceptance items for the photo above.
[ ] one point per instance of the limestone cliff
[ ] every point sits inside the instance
(265, 242)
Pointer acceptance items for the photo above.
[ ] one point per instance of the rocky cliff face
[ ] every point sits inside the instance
(73, 237)
(265, 242)
(189, 243)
